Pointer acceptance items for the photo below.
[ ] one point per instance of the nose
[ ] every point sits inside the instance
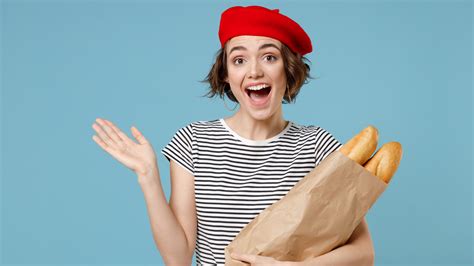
(255, 69)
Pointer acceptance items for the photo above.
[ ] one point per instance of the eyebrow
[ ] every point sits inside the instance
(263, 46)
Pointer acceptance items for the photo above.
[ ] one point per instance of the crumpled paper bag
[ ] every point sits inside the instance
(317, 215)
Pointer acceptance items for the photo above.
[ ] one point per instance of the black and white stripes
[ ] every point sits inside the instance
(236, 178)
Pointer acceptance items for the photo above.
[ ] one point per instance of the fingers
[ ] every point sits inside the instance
(109, 126)
(135, 132)
(111, 136)
(243, 257)
(110, 131)
(100, 142)
(255, 259)
(117, 131)
(138, 135)
(107, 135)
(103, 136)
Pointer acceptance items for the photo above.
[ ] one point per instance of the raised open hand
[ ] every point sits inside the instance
(139, 157)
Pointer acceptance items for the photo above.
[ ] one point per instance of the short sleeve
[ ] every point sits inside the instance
(180, 148)
(325, 144)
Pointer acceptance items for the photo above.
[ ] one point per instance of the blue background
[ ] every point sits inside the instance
(405, 67)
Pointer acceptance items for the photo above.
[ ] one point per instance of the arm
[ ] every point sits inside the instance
(358, 250)
(172, 225)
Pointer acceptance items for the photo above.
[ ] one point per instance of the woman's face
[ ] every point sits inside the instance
(256, 60)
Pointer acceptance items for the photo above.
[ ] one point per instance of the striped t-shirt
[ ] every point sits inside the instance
(236, 178)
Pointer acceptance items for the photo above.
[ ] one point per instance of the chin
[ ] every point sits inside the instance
(263, 114)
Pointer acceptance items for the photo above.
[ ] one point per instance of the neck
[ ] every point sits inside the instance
(250, 128)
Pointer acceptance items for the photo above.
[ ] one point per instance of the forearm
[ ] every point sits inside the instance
(346, 255)
(168, 234)
(358, 250)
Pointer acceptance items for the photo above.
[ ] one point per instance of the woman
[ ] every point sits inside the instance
(224, 172)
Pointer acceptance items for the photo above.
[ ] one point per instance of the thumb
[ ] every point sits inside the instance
(138, 135)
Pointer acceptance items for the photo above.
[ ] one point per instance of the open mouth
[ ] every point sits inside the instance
(258, 95)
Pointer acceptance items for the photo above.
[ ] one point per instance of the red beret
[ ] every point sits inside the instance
(260, 21)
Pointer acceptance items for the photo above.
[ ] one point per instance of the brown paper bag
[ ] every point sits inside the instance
(317, 215)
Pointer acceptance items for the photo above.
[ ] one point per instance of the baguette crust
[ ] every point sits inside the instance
(385, 162)
(361, 146)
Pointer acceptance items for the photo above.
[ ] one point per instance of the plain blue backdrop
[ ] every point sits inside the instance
(405, 67)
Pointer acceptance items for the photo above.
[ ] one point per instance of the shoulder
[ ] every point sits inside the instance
(203, 125)
(199, 123)
(200, 127)
(310, 129)
(317, 133)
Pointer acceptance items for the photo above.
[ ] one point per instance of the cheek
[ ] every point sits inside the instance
(280, 80)
(277, 72)
(234, 81)
(235, 76)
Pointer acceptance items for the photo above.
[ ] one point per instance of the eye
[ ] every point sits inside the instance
(273, 58)
(237, 60)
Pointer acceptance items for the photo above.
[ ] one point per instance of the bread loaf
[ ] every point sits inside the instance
(362, 145)
(385, 162)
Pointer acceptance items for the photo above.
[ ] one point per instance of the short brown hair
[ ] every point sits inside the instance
(296, 69)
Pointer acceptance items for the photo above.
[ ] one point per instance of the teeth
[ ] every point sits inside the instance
(258, 87)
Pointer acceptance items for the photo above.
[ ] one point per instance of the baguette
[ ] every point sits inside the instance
(385, 162)
(362, 145)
